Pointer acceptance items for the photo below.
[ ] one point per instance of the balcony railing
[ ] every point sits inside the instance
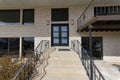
(99, 8)
(28, 68)
(85, 58)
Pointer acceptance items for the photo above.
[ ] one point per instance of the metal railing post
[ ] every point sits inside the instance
(90, 51)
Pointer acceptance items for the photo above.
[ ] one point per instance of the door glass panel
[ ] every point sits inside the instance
(63, 28)
(64, 40)
(64, 34)
(56, 40)
(96, 46)
(55, 34)
(56, 28)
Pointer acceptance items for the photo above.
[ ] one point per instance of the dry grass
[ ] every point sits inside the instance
(8, 69)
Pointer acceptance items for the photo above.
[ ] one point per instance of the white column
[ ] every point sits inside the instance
(20, 48)
(20, 41)
(21, 16)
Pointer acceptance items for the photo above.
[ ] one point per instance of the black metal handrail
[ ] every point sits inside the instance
(40, 49)
(85, 58)
(86, 8)
(82, 17)
(28, 68)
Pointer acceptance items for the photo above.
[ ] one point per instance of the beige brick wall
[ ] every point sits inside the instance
(40, 27)
(44, 14)
(17, 31)
(41, 16)
(74, 13)
(44, 31)
(40, 30)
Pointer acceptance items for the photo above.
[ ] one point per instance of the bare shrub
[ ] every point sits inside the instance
(8, 68)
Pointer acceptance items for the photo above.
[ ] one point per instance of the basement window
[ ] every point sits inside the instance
(9, 17)
(28, 16)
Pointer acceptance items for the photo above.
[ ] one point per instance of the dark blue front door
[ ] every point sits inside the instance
(60, 35)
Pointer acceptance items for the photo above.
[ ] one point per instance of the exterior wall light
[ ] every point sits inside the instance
(72, 21)
(47, 22)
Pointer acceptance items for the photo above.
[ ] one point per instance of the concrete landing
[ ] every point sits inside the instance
(64, 65)
(109, 71)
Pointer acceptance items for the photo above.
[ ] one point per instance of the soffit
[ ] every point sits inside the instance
(40, 3)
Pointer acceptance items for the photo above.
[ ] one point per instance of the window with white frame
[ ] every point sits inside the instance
(12, 17)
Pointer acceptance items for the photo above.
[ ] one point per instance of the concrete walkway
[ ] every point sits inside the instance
(109, 71)
(64, 65)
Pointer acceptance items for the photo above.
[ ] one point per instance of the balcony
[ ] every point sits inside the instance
(103, 15)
